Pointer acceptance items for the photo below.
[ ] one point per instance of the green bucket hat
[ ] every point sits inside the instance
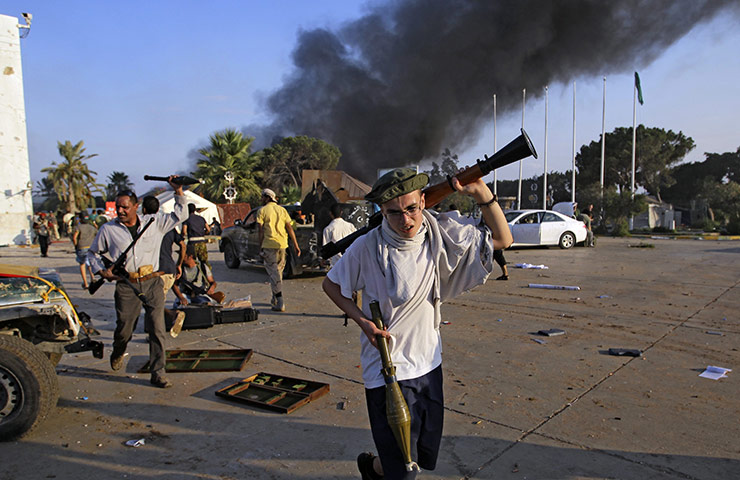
(396, 183)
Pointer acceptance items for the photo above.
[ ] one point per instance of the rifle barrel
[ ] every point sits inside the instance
(519, 148)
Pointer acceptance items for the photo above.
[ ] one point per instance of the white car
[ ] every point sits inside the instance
(544, 227)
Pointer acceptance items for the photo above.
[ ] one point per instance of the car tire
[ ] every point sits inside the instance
(231, 259)
(567, 240)
(28, 387)
(54, 358)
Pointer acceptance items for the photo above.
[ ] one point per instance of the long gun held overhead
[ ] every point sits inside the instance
(519, 148)
(181, 180)
(117, 267)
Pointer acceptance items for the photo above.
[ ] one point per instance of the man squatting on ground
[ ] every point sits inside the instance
(411, 264)
(275, 226)
(142, 265)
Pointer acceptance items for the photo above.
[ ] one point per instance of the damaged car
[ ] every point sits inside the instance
(38, 325)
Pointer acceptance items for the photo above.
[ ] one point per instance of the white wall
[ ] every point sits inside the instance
(15, 193)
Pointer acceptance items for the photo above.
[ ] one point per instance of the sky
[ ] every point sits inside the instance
(145, 83)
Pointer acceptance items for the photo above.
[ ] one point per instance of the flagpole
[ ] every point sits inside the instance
(519, 191)
(544, 176)
(603, 141)
(494, 142)
(634, 139)
(634, 135)
(573, 181)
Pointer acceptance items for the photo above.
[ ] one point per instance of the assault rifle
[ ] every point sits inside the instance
(117, 267)
(519, 148)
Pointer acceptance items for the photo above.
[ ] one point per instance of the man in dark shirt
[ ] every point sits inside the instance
(195, 230)
(82, 237)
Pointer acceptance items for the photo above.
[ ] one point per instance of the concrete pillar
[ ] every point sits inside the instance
(16, 207)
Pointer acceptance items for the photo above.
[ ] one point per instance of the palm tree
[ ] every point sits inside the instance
(117, 181)
(72, 179)
(229, 152)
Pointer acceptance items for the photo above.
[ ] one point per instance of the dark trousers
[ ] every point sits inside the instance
(425, 399)
(44, 244)
(128, 308)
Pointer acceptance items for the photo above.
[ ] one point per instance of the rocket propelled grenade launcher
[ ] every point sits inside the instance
(180, 180)
(519, 148)
(396, 409)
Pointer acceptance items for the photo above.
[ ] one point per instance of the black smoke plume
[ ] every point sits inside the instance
(395, 86)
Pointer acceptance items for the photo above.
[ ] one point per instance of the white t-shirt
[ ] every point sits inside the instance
(416, 345)
(337, 229)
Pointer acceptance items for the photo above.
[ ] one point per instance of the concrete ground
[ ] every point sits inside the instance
(516, 408)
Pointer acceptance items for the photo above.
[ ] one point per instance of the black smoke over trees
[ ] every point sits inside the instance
(391, 88)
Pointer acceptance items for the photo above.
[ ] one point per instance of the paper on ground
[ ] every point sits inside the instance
(529, 265)
(715, 373)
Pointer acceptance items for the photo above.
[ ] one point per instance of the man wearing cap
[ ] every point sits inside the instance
(142, 267)
(411, 264)
(275, 227)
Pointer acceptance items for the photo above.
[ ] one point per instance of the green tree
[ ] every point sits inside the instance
(290, 194)
(229, 151)
(45, 188)
(690, 177)
(656, 152)
(284, 162)
(619, 206)
(723, 200)
(117, 181)
(73, 181)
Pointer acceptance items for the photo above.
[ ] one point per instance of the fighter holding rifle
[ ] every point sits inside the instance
(406, 268)
(141, 266)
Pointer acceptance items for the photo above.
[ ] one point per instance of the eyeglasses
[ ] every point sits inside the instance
(398, 214)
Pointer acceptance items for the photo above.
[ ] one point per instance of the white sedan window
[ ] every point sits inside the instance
(551, 217)
(530, 219)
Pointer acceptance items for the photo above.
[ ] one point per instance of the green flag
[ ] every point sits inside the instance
(639, 89)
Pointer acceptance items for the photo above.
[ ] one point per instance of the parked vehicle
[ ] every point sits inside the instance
(240, 243)
(38, 324)
(544, 227)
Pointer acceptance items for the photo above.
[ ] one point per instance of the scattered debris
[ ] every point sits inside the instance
(477, 422)
(541, 342)
(625, 352)
(604, 296)
(715, 373)
(499, 320)
(136, 443)
(445, 322)
(712, 332)
(642, 245)
(553, 287)
(529, 265)
(551, 332)
(565, 315)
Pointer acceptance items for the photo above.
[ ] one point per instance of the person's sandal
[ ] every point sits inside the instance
(365, 462)
(503, 277)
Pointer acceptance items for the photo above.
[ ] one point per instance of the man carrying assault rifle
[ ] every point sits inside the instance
(139, 282)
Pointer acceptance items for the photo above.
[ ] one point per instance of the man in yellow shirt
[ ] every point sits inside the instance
(274, 228)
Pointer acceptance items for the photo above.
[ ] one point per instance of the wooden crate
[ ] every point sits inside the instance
(274, 392)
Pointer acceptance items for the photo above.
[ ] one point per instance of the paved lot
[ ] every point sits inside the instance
(515, 408)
